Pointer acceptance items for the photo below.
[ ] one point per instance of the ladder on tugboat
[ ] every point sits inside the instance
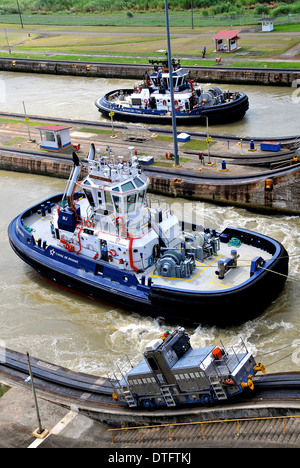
(168, 397)
(218, 389)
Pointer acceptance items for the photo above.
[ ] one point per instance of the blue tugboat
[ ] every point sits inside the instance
(103, 238)
(150, 102)
(173, 374)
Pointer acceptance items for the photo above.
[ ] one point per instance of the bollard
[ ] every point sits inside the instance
(223, 166)
(252, 146)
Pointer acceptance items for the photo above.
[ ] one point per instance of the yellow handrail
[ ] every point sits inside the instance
(238, 421)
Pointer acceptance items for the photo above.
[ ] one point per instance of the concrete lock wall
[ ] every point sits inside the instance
(111, 70)
(251, 194)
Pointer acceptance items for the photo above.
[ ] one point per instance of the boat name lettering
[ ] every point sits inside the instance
(64, 257)
(71, 259)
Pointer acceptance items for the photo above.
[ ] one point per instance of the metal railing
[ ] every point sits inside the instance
(238, 422)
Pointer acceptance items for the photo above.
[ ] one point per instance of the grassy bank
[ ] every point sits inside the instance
(154, 18)
(137, 44)
(3, 389)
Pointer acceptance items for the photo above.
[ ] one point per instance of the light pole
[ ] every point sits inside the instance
(8, 46)
(176, 157)
(20, 14)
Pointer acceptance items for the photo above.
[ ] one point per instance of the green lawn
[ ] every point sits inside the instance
(197, 145)
(252, 64)
(3, 389)
(122, 44)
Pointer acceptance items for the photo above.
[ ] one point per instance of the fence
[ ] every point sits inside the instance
(152, 19)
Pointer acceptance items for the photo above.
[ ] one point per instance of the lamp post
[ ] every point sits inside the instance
(176, 157)
(20, 14)
(8, 46)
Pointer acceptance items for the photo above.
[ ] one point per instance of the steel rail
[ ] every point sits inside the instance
(95, 385)
(169, 172)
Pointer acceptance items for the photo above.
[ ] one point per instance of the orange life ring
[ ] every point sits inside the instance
(164, 102)
(88, 223)
(112, 252)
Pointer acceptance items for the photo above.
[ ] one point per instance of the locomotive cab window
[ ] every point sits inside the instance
(152, 364)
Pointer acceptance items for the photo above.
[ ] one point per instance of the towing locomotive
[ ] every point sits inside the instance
(172, 373)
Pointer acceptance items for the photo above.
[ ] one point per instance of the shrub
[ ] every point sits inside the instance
(262, 10)
(282, 9)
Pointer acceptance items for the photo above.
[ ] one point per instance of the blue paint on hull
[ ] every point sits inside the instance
(99, 280)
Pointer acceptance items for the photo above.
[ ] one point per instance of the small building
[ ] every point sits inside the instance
(54, 137)
(226, 40)
(267, 24)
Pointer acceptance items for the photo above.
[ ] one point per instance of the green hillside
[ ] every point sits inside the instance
(207, 7)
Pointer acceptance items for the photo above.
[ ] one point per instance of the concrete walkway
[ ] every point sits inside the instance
(67, 428)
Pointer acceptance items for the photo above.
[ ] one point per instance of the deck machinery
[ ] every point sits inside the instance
(172, 373)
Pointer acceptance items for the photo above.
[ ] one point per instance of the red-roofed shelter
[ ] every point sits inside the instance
(227, 35)
(54, 137)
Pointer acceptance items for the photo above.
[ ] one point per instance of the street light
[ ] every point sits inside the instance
(20, 14)
(176, 157)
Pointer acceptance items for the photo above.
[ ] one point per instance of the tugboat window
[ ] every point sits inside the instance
(140, 199)
(131, 203)
(143, 177)
(108, 201)
(117, 203)
(128, 186)
(89, 196)
(138, 182)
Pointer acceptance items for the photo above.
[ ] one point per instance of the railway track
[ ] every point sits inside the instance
(261, 173)
(93, 394)
(162, 130)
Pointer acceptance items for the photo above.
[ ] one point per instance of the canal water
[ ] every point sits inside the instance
(273, 111)
(77, 333)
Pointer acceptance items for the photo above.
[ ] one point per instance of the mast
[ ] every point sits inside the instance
(171, 87)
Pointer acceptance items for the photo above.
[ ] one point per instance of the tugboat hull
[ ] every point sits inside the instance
(104, 282)
(217, 114)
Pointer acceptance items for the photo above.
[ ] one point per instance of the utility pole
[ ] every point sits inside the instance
(21, 21)
(208, 139)
(171, 87)
(27, 120)
(9, 49)
(40, 433)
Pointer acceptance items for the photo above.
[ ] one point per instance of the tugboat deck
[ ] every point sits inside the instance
(204, 276)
